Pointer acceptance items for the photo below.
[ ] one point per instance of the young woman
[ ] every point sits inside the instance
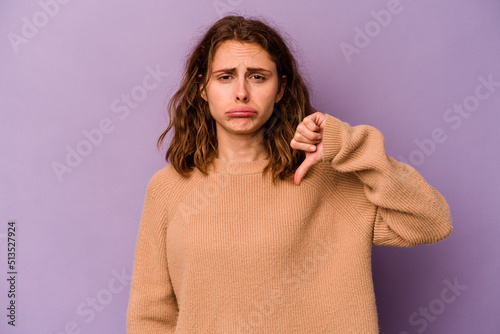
(264, 220)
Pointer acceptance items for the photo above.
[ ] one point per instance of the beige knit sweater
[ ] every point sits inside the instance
(233, 253)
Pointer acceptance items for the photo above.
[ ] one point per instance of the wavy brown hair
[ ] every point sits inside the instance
(194, 143)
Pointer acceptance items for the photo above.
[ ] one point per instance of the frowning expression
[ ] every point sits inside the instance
(243, 88)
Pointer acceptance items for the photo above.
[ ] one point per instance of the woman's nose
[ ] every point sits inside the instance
(242, 91)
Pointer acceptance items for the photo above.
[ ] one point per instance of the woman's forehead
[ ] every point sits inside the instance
(234, 54)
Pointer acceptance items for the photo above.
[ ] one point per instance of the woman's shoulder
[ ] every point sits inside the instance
(164, 175)
(168, 177)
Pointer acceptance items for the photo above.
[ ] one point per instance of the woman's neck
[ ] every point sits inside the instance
(241, 148)
(240, 155)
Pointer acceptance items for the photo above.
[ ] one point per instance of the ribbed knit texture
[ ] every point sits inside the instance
(233, 253)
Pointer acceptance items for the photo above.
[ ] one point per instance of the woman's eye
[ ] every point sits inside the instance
(258, 77)
(255, 77)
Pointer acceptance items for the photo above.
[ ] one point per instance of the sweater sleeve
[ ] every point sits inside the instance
(409, 211)
(152, 305)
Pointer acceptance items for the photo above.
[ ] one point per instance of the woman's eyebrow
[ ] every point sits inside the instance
(249, 69)
(257, 69)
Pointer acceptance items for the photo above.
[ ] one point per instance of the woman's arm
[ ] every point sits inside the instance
(152, 306)
(409, 210)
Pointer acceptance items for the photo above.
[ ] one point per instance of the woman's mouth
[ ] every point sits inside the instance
(242, 112)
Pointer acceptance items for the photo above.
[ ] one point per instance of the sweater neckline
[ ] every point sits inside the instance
(238, 167)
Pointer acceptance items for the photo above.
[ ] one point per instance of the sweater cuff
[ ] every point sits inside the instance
(331, 138)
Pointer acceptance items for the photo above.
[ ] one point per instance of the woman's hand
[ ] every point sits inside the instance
(309, 135)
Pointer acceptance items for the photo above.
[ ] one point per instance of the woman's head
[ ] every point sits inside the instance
(241, 92)
(241, 41)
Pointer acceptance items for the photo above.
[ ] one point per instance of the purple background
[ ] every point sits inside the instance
(76, 234)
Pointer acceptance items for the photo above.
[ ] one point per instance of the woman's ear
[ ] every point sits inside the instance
(203, 93)
(282, 89)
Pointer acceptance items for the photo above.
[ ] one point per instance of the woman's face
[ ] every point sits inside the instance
(244, 78)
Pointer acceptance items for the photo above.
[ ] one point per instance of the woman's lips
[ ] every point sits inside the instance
(242, 112)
